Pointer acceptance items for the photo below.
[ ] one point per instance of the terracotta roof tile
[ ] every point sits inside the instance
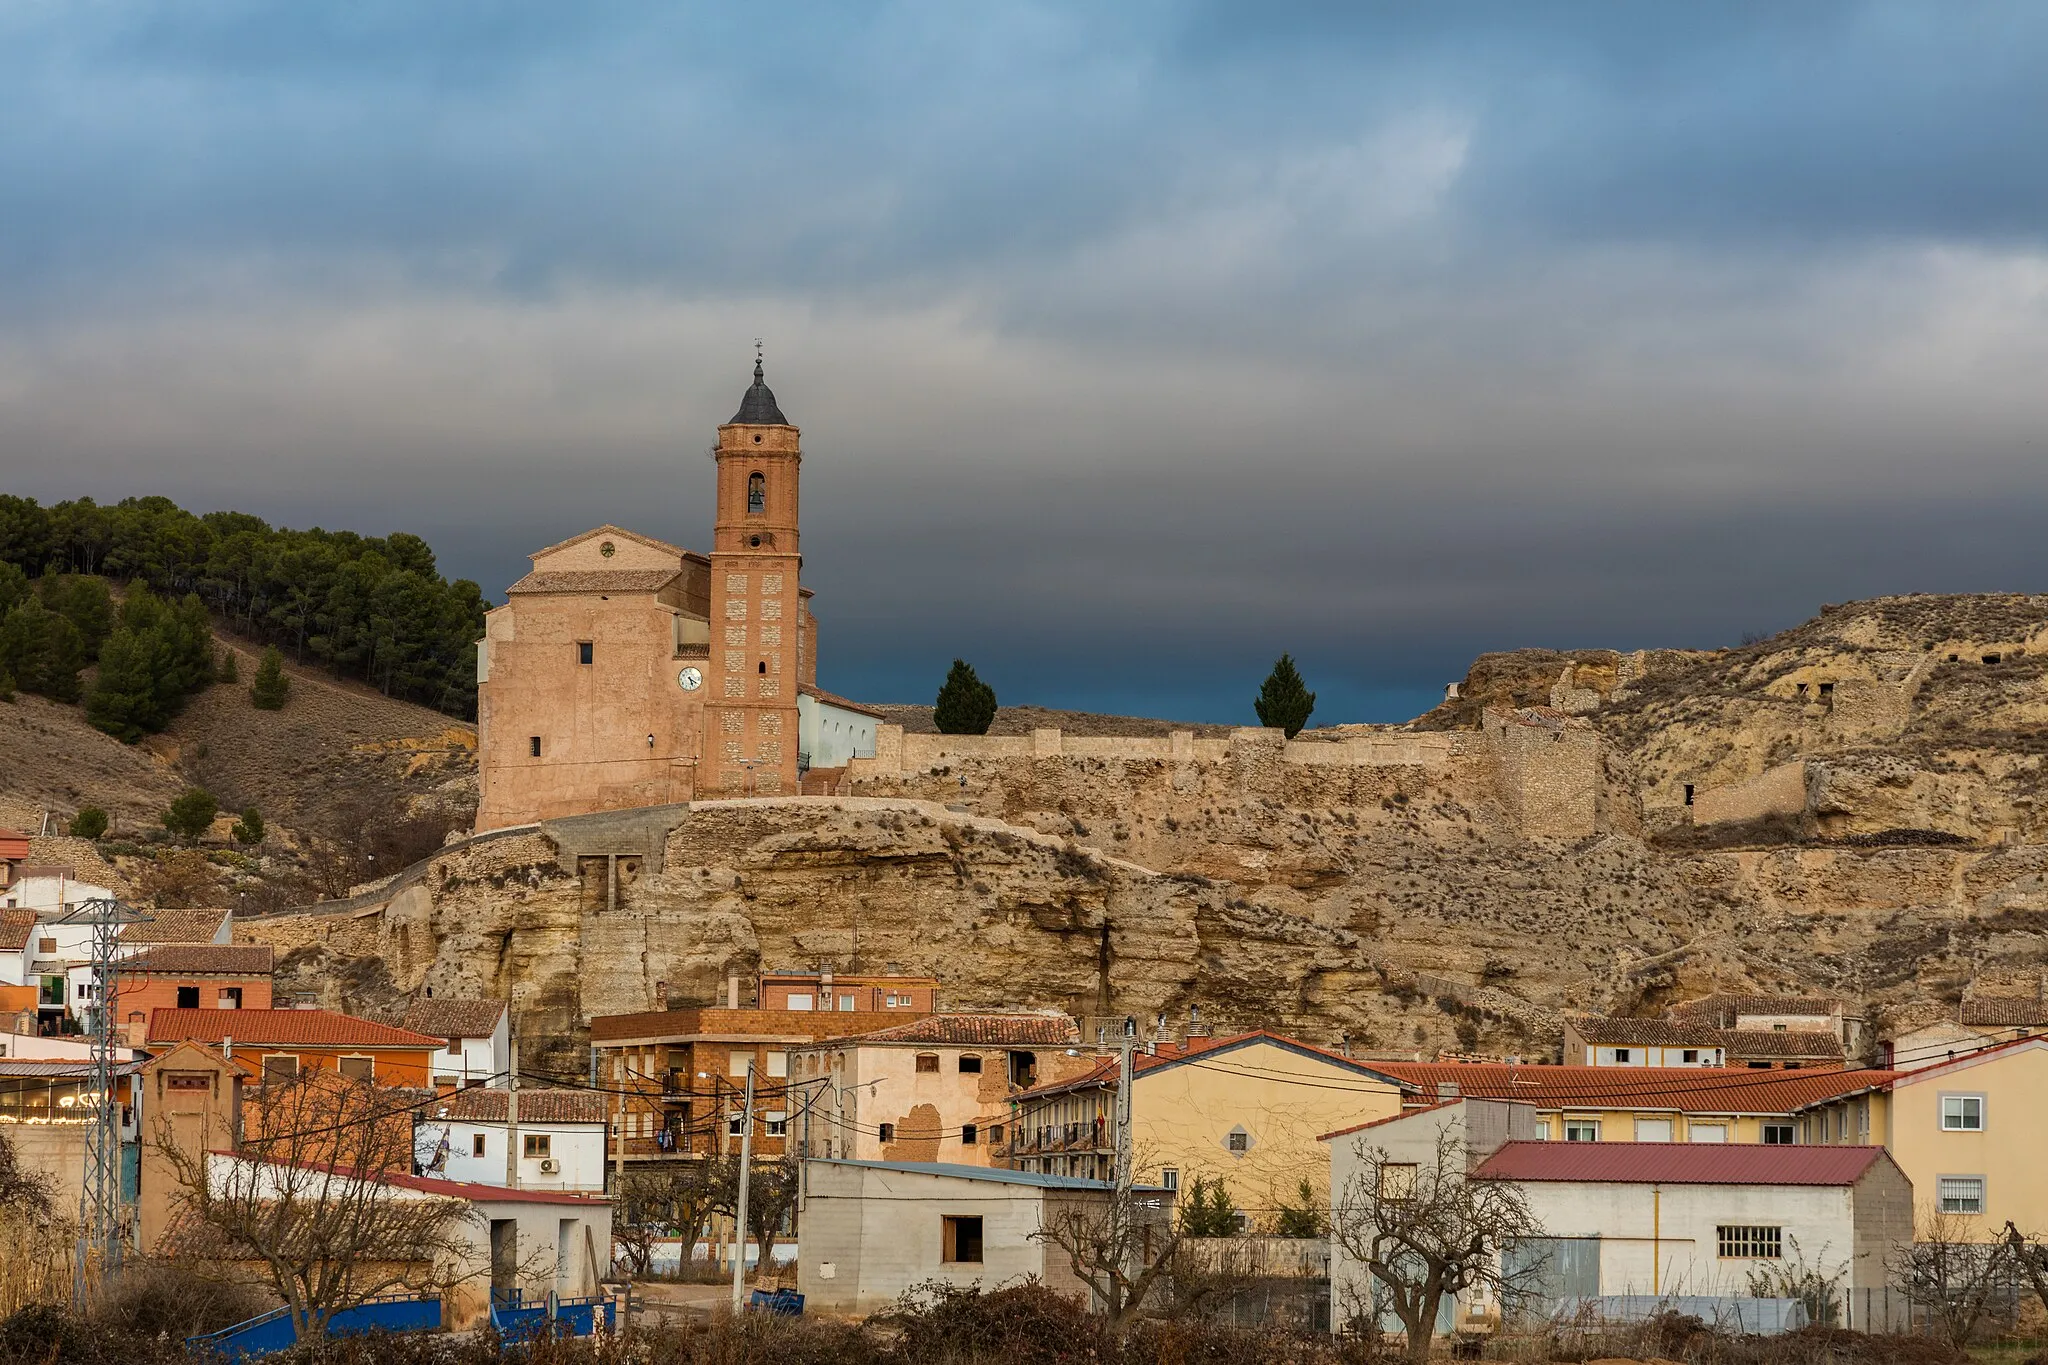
(1643, 1032)
(486, 1104)
(2005, 1011)
(210, 959)
(1196, 1050)
(1680, 1163)
(1795, 1043)
(996, 1030)
(1721, 1010)
(303, 1028)
(176, 926)
(15, 928)
(455, 1018)
(595, 580)
(1657, 1089)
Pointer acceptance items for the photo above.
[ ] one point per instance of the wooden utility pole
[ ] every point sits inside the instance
(739, 1230)
(512, 1115)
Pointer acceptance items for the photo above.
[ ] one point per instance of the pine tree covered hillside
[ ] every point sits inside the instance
(372, 608)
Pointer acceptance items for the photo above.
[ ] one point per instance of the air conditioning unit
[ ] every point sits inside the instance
(549, 1166)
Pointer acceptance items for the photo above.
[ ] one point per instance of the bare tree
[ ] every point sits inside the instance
(1950, 1277)
(22, 1191)
(771, 1195)
(307, 1200)
(671, 1201)
(1426, 1233)
(1121, 1247)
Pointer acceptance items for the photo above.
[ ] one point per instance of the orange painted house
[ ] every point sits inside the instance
(194, 976)
(280, 1043)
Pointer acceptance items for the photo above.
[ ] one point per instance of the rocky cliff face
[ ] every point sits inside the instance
(1404, 907)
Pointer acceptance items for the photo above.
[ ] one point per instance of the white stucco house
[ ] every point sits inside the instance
(872, 1229)
(561, 1137)
(479, 1034)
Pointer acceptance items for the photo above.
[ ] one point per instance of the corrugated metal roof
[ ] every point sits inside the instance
(1679, 1163)
(302, 1028)
(1677, 1089)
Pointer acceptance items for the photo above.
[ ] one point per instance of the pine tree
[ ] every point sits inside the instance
(89, 823)
(123, 701)
(249, 829)
(1284, 702)
(966, 705)
(271, 686)
(83, 601)
(227, 668)
(42, 651)
(191, 815)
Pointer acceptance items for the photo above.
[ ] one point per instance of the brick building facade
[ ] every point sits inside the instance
(625, 671)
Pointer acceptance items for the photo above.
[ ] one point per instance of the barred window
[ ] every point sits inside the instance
(1961, 1193)
(1742, 1243)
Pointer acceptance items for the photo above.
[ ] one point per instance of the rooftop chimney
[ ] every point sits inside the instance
(1446, 1091)
(732, 990)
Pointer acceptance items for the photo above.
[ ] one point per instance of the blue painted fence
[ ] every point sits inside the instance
(516, 1320)
(273, 1331)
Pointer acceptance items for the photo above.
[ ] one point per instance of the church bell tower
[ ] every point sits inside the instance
(750, 714)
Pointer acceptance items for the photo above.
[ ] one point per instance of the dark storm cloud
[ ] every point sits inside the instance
(1133, 344)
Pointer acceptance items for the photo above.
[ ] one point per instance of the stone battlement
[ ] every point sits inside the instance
(899, 754)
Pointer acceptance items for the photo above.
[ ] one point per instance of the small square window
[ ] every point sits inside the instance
(732, 1125)
(1237, 1141)
(583, 652)
(1962, 1113)
(1169, 1178)
(535, 1144)
(995, 1132)
(778, 1125)
(476, 1144)
(1582, 1130)
(961, 1238)
(1621, 1055)
(1689, 1056)
(358, 1068)
(969, 1135)
(928, 1061)
(886, 1132)
(1778, 1134)
(970, 1064)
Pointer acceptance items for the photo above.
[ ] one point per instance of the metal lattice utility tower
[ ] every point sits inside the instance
(101, 1225)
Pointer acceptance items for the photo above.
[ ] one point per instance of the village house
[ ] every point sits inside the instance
(1979, 1022)
(1246, 1110)
(14, 855)
(1779, 1014)
(1967, 1133)
(1592, 1040)
(478, 1034)
(1659, 1219)
(192, 976)
(1670, 1104)
(279, 1044)
(932, 1089)
(873, 1229)
(183, 927)
(194, 1096)
(677, 1076)
(462, 1137)
(47, 1110)
(827, 990)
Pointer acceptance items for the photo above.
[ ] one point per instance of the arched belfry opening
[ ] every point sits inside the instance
(757, 495)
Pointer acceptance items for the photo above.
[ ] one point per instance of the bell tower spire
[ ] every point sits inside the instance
(757, 612)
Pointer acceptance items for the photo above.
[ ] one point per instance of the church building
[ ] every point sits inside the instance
(625, 671)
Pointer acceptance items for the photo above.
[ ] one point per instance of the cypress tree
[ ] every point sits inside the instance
(1284, 701)
(271, 686)
(966, 705)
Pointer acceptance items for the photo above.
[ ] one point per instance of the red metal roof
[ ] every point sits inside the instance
(1679, 1163)
(1677, 1089)
(13, 847)
(270, 1028)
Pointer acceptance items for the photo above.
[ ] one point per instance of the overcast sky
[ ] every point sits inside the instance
(1132, 343)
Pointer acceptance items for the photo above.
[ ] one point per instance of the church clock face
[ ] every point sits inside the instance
(691, 679)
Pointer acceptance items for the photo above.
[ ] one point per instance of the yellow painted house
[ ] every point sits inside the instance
(1247, 1109)
(1969, 1133)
